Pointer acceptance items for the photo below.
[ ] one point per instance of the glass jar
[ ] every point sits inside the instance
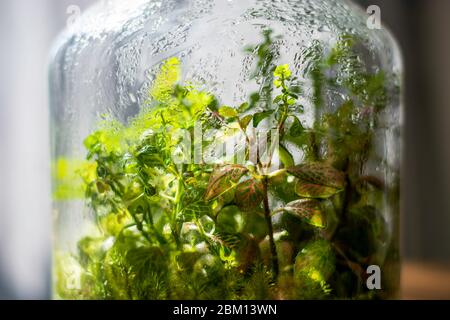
(224, 149)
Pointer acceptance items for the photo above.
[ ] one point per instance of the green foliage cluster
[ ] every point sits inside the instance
(235, 231)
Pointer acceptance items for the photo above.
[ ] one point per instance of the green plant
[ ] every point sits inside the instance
(175, 227)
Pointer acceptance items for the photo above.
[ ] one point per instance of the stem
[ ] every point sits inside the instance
(280, 129)
(353, 266)
(140, 227)
(128, 226)
(283, 120)
(347, 198)
(139, 224)
(315, 151)
(348, 191)
(267, 215)
(175, 212)
(151, 224)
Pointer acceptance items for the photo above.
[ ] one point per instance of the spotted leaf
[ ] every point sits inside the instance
(314, 191)
(317, 180)
(307, 210)
(223, 181)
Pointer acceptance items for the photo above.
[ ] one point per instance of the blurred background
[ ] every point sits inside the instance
(27, 29)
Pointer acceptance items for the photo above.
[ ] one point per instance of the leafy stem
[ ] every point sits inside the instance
(176, 210)
(268, 218)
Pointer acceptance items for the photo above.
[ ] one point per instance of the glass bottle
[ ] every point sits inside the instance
(224, 149)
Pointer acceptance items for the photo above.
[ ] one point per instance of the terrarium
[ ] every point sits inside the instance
(224, 149)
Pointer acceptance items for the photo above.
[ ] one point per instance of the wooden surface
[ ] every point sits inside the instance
(425, 281)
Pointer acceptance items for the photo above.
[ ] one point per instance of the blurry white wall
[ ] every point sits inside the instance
(27, 29)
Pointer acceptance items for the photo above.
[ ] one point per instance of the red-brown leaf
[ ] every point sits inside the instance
(249, 194)
(319, 174)
(317, 180)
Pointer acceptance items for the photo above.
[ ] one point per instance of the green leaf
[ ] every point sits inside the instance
(364, 232)
(296, 128)
(314, 191)
(244, 107)
(285, 156)
(249, 195)
(229, 220)
(228, 112)
(277, 83)
(307, 210)
(278, 99)
(317, 180)
(258, 117)
(223, 180)
(196, 209)
(150, 152)
(315, 262)
(290, 101)
(90, 249)
(245, 121)
(292, 95)
(150, 191)
(254, 99)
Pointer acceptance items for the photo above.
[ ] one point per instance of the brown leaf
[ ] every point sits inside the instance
(249, 194)
(248, 253)
(317, 180)
(320, 174)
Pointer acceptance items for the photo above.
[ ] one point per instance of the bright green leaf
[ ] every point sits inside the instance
(290, 101)
(286, 157)
(277, 83)
(228, 112)
(283, 72)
